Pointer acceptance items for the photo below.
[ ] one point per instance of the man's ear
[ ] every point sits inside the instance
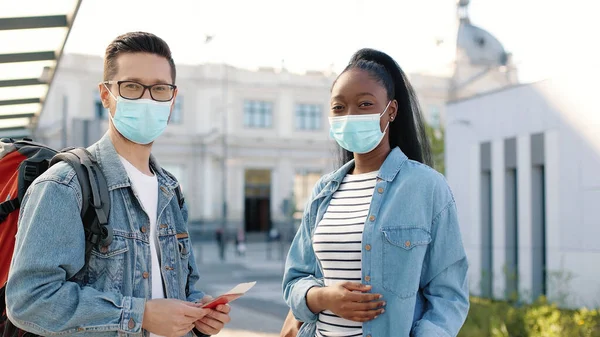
(104, 95)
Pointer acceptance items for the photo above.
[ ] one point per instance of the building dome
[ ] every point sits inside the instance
(481, 47)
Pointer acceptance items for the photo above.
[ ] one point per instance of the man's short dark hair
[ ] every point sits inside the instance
(135, 42)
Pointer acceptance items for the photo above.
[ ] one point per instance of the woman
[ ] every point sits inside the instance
(379, 251)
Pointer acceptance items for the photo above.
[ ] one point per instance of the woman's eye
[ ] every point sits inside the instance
(365, 104)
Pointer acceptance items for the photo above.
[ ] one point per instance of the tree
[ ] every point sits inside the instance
(436, 141)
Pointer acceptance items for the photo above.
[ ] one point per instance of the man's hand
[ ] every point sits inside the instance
(291, 326)
(351, 301)
(214, 322)
(171, 318)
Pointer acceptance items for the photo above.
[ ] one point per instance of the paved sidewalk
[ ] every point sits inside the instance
(261, 312)
(240, 333)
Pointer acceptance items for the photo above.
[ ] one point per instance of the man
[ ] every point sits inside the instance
(144, 280)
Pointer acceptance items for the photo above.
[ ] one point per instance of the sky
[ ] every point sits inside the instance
(546, 37)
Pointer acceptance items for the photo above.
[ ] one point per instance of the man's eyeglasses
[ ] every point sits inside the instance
(134, 90)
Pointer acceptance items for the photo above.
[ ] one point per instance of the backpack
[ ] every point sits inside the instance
(21, 162)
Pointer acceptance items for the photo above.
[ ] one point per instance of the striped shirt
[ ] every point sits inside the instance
(338, 245)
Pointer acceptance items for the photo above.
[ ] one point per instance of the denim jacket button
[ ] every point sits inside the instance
(131, 324)
(143, 229)
(372, 218)
(145, 274)
(104, 249)
(367, 278)
(407, 244)
(368, 247)
(380, 190)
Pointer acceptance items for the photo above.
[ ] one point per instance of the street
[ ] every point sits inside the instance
(261, 312)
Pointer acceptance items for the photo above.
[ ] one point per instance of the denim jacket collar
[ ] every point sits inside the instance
(116, 177)
(388, 171)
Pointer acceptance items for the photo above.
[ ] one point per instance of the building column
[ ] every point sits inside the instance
(524, 217)
(498, 221)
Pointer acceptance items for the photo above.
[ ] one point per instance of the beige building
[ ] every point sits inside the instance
(275, 124)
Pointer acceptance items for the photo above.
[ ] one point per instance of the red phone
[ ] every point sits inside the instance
(223, 299)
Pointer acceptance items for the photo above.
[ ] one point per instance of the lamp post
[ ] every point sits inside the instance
(225, 110)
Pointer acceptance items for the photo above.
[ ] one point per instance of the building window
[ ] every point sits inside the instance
(177, 113)
(308, 116)
(258, 114)
(434, 116)
(100, 110)
(304, 182)
(538, 216)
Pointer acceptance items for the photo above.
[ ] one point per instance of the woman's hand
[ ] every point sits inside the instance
(291, 326)
(348, 300)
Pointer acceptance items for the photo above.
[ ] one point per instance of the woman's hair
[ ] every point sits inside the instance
(407, 131)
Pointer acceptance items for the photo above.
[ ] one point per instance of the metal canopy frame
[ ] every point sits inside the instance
(21, 95)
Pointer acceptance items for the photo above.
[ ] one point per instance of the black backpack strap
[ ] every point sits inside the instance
(180, 197)
(95, 197)
(8, 207)
(29, 170)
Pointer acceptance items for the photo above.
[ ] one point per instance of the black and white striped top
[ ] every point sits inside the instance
(338, 245)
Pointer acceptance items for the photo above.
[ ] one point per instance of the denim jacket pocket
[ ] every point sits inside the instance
(184, 245)
(106, 265)
(404, 250)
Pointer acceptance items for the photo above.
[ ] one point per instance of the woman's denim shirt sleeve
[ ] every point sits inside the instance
(38, 286)
(300, 270)
(444, 280)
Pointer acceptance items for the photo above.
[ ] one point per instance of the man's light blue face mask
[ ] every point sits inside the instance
(358, 133)
(141, 120)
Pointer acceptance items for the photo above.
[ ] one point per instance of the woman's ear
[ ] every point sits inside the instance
(393, 110)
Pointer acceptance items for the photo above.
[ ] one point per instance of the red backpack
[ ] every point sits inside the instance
(21, 162)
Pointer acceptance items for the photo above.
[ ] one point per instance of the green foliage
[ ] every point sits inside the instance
(436, 141)
(539, 319)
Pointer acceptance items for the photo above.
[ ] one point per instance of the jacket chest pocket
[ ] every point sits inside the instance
(184, 249)
(106, 265)
(404, 251)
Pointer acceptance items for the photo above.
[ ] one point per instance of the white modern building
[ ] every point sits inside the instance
(524, 165)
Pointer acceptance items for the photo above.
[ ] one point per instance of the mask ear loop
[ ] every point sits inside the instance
(113, 96)
(110, 117)
(383, 113)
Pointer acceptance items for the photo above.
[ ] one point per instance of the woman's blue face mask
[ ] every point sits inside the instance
(358, 133)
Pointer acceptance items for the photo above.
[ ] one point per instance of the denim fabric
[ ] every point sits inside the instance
(49, 292)
(416, 259)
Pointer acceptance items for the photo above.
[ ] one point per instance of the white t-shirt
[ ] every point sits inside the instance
(146, 189)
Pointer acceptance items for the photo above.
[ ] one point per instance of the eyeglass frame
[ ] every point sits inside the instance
(146, 87)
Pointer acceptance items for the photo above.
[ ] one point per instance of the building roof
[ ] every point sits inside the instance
(33, 33)
(481, 47)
